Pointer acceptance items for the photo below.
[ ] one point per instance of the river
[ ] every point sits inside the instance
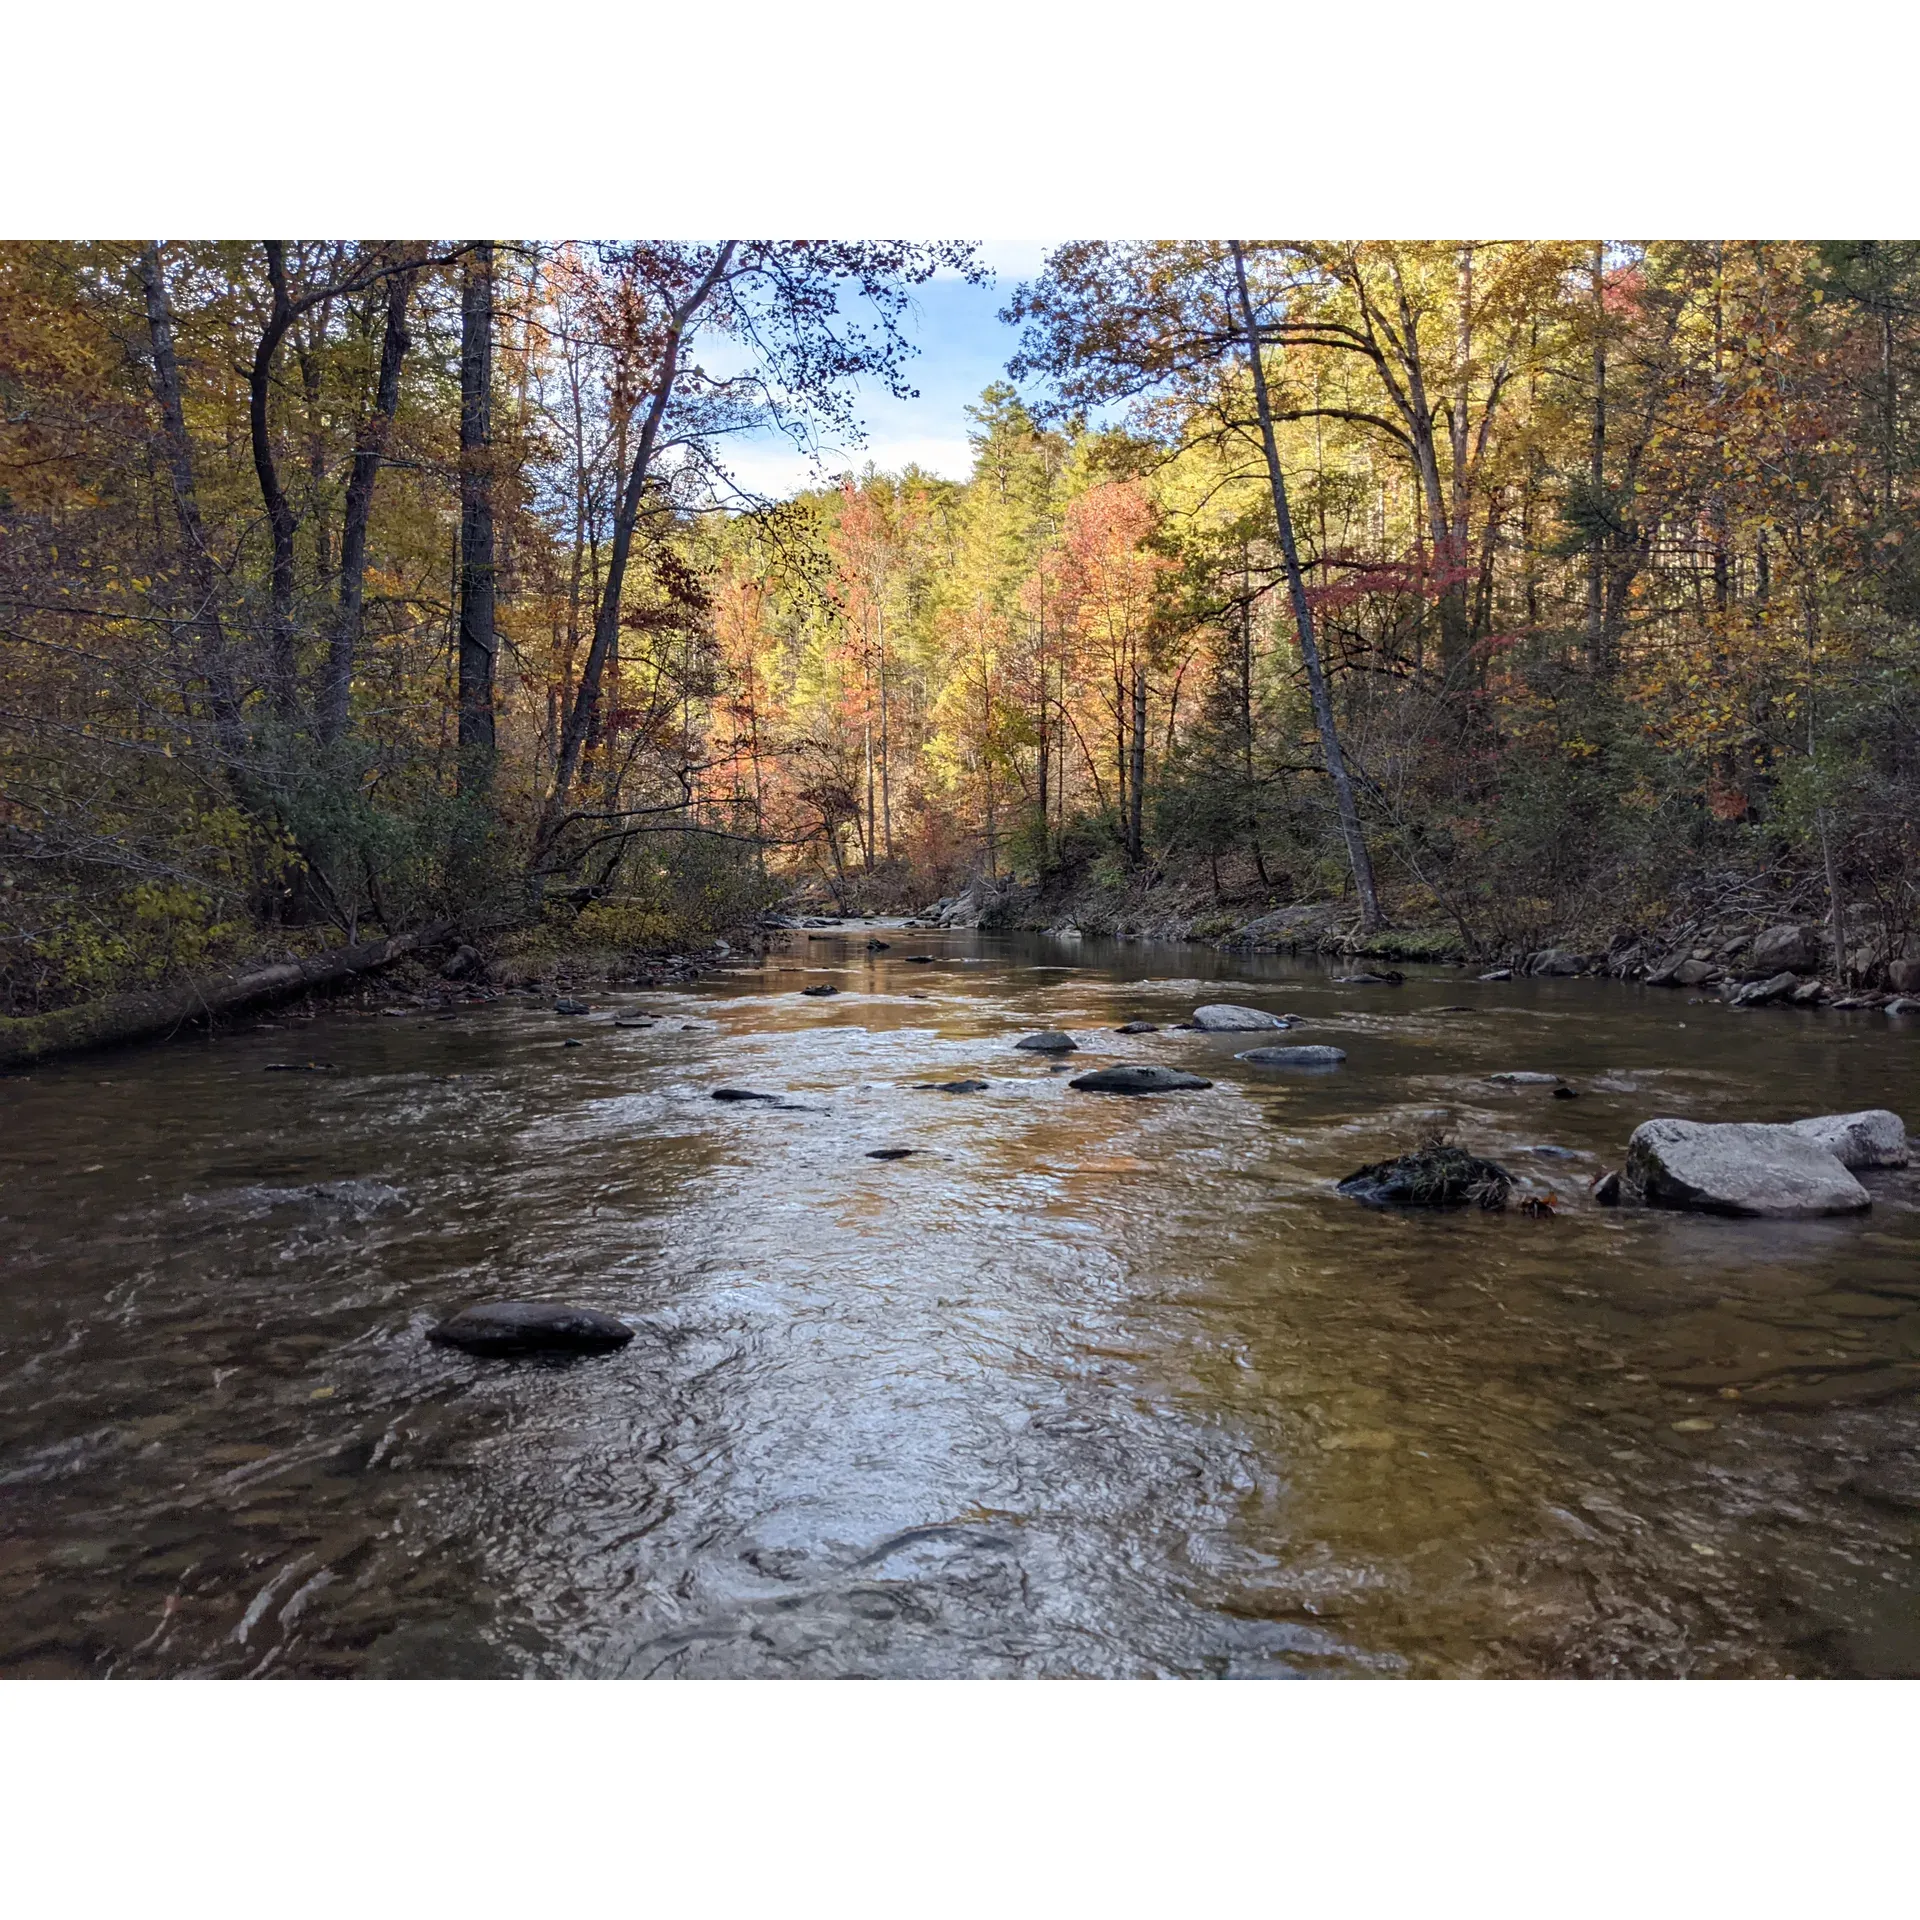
(1084, 1386)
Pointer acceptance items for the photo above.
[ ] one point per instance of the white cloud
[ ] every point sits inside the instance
(776, 470)
(1010, 260)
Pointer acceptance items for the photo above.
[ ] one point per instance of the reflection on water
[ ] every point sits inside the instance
(1084, 1386)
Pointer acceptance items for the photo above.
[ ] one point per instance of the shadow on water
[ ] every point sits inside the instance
(1081, 1386)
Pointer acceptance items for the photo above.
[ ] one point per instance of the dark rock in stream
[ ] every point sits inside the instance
(820, 992)
(1566, 1093)
(1138, 1080)
(572, 1006)
(1293, 1056)
(879, 946)
(950, 1086)
(741, 1093)
(1438, 1174)
(1388, 979)
(918, 959)
(1606, 1188)
(1052, 1041)
(893, 1153)
(1138, 1026)
(502, 1328)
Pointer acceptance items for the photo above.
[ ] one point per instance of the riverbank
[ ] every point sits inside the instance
(431, 968)
(1748, 949)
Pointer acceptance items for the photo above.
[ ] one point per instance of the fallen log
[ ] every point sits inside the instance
(140, 1016)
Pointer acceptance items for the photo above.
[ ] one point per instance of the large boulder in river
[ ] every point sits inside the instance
(1557, 960)
(1873, 1138)
(502, 1328)
(1293, 1056)
(1768, 1172)
(1138, 1080)
(1785, 949)
(1052, 1041)
(1239, 1020)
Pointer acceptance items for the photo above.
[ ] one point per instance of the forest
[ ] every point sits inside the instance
(1489, 593)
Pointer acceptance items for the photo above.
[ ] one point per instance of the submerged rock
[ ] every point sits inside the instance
(1225, 1019)
(741, 1093)
(1767, 1172)
(820, 992)
(951, 1086)
(1052, 1041)
(633, 1019)
(1138, 1026)
(918, 959)
(1138, 1080)
(1367, 979)
(893, 1153)
(572, 1006)
(1525, 1079)
(1872, 1138)
(879, 946)
(1438, 1174)
(1293, 1056)
(505, 1327)
(1760, 993)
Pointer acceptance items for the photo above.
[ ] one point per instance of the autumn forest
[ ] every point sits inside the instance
(1516, 590)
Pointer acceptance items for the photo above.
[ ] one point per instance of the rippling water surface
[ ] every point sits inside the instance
(1086, 1385)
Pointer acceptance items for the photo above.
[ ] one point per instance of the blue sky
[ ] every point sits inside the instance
(963, 347)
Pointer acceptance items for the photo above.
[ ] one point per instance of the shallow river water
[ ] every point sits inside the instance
(1086, 1386)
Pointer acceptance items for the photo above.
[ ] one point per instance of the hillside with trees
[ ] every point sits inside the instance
(1491, 594)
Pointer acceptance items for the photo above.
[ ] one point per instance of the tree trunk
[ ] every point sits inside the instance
(886, 753)
(1136, 797)
(476, 523)
(1044, 720)
(1460, 519)
(367, 454)
(138, 1016)
(1357, 857)
(1597, 472)
(214, 668)
(607, 619)
(280, 520)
